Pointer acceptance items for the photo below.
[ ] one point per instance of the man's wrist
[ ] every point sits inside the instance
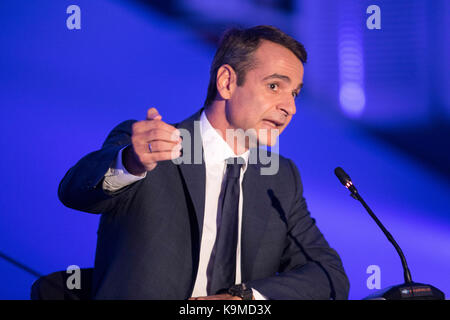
(129, 162)
(241, 291)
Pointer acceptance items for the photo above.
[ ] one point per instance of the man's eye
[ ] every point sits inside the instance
(273, 86)
(295, 94)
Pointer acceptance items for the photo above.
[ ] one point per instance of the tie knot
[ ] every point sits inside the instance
(234, 166)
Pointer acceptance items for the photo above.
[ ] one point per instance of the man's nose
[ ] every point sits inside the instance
(288, 106)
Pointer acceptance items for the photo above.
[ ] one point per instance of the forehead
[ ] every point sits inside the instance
(273, 58)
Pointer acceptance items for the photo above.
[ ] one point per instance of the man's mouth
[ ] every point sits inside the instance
(273, 123)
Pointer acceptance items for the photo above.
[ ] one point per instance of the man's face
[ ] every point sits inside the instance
(266, 100)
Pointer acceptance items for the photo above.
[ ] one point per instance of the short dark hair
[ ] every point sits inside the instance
(236, 49)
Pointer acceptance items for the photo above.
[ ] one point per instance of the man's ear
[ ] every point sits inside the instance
(226, 81)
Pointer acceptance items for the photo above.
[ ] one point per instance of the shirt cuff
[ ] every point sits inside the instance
(118, 177)
(258, 296)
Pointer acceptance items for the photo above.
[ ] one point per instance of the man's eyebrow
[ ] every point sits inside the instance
(282, 77)
(278, 76)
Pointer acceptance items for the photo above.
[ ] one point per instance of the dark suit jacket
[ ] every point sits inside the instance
(149, 233)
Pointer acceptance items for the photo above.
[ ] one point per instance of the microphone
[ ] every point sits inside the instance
(409, 290)
(345, 180)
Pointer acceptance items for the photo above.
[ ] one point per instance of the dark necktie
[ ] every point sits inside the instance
(224, 265)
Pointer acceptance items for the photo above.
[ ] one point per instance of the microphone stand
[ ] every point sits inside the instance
(407, 291)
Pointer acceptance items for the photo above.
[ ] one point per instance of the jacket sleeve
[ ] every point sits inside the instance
(81, 188)
(309, 268)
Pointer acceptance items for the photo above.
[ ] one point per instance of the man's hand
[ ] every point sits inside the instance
(152, 140)
(224, 296)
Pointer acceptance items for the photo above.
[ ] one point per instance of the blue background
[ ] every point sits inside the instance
(62, 91)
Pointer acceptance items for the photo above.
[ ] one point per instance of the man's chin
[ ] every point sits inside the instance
(268, 137)
(269, 143)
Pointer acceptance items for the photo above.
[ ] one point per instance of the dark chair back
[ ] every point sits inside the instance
(54, 286)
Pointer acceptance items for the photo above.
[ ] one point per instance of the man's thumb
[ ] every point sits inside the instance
(153, 114)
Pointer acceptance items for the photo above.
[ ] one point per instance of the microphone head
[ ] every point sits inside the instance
(343, 177)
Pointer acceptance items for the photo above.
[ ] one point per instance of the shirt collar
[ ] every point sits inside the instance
(215, 149)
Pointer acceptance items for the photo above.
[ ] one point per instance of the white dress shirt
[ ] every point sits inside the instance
(216, 151)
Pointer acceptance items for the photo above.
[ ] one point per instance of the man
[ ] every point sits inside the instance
(216, 228)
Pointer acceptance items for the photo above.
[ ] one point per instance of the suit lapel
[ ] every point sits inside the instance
(192, 166)
(254, 218)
